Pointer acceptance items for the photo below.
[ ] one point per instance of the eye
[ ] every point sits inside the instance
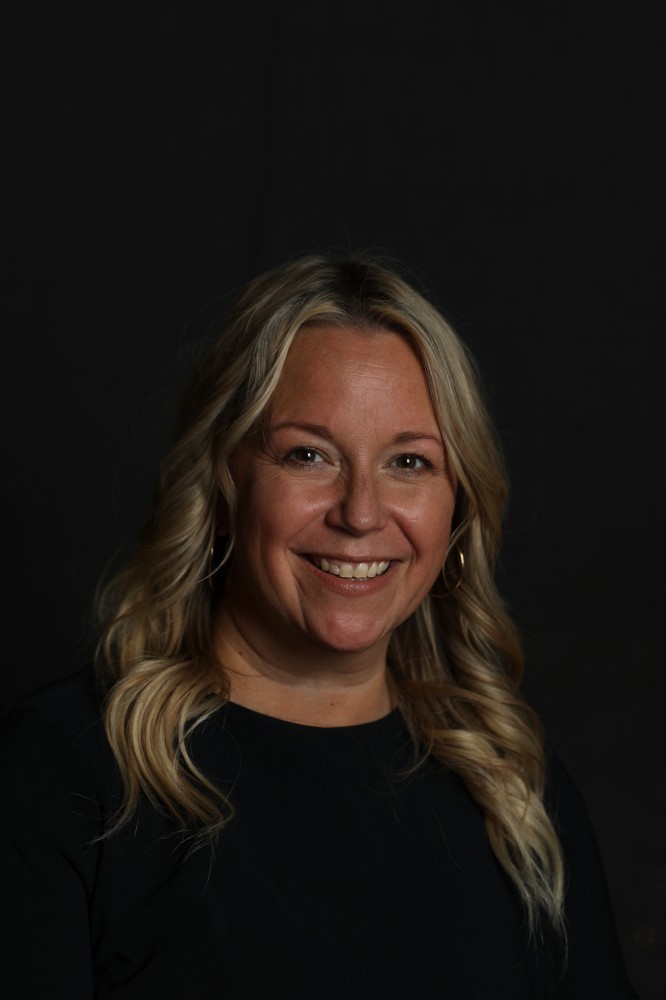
(412, 463)
(303, 456)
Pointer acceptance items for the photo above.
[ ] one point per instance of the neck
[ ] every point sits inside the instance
(313, 687)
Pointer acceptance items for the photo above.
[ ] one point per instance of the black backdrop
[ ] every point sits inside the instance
(510, 155)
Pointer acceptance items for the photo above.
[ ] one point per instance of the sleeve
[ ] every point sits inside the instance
(594, 966)
(50, 819)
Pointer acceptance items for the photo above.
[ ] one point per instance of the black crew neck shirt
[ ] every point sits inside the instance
(345, 873)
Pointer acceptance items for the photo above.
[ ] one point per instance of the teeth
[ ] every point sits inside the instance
(353, 571)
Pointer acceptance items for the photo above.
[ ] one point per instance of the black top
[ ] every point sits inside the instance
(339, 878)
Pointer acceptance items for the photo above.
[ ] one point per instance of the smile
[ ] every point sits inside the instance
(352, 571)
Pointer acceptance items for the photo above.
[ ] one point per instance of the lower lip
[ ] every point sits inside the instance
(349, 585)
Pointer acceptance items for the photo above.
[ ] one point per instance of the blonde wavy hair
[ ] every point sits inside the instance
(455, 665)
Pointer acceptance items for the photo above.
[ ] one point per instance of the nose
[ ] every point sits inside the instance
(357, 508)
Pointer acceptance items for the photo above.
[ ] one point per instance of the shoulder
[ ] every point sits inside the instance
(57, 791)
(53, 742)
(65, 712)
(566, 806)
(568, 812)
(72, 702)
(594, 965)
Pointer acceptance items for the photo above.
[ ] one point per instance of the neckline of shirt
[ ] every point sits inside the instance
(250, 715)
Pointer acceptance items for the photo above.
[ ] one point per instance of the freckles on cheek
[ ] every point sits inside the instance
(433, 515)
(297, 497)
(257, 486)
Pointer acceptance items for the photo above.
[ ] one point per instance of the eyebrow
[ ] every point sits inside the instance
(321, 430)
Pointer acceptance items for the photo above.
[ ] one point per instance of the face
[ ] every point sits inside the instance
(345, 504)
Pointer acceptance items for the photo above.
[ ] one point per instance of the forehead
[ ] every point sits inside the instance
(351, 372)
(349, 340)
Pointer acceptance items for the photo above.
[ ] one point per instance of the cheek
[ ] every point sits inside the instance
(430, 522)
(273, 509)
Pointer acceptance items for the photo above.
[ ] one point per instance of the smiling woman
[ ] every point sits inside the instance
(303, 767)
(340, 532)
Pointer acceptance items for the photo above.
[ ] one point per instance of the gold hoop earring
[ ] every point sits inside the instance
(211, 567)
(459, 576)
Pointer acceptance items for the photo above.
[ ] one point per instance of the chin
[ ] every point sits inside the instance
(346, 637)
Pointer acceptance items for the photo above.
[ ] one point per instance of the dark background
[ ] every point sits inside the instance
(509, 154)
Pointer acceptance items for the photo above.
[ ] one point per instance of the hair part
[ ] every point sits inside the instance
(455, 664)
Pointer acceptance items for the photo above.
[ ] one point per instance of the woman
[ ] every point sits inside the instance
(311, 774)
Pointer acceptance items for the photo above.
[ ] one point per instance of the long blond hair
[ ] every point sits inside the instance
(455, 664)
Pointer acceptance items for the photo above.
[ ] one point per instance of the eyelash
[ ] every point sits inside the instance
(290, 457)
(427, 464)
